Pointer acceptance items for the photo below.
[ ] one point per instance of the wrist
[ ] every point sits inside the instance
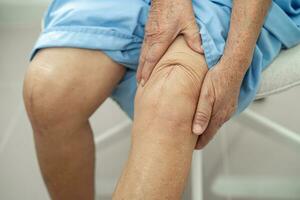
(238, 62)
(237, 68)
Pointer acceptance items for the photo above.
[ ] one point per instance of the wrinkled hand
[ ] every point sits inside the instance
(217, 101)
(167, 19)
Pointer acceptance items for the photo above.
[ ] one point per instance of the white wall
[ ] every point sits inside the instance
(24, 2)
(14, 12)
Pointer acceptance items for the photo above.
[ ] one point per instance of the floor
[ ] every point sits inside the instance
(236, 153)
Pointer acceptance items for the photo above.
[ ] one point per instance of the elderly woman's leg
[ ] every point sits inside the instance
(162, 139)
(62, 89)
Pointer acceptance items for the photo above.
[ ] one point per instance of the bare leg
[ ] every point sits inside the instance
(62, 88)
(162, 139)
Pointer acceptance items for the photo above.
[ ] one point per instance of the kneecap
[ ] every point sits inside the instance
(171, 93)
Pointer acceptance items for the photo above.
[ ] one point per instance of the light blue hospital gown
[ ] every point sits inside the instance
(116, 27)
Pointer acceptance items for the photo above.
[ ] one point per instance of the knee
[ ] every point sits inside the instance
(171, 93)
(45, 98)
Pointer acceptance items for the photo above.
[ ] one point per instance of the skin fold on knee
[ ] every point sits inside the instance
(169, 94)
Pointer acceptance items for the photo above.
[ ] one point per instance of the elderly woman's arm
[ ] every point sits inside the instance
(247, 19)
(220, 90)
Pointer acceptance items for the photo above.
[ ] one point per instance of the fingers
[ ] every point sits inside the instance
(153, 49)
(192, 37)
(204, 108)
(141, 63)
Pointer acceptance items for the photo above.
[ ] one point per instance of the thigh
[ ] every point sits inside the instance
(69, 82)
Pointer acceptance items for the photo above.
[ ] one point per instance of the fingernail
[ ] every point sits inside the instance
(199, 48)
(142, 82)
(138, 79)
(197, 129)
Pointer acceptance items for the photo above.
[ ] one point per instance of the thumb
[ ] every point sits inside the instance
(192, 36)
(204, 111)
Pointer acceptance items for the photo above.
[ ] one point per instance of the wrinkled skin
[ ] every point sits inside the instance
(220, 90)
(217, 102)
(167, 19)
